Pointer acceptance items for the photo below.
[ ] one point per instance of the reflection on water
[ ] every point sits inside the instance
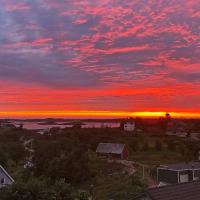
(35, 125)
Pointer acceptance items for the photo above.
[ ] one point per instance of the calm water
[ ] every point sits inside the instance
(35, 125)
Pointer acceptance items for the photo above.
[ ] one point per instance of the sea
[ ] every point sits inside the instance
(38, 126)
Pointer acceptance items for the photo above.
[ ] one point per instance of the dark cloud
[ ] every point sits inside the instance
(186, 76)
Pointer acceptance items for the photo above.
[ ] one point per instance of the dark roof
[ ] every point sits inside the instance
(182, 166)
(110, 148)
(183, 191)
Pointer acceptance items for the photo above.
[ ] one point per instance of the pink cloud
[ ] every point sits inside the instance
(124, 50)
(17, 7)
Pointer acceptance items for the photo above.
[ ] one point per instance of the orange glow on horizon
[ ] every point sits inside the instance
(99, 59)
(94, 114)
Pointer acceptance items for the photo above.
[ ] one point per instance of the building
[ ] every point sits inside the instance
(112, 150)
(5, 178)
(7, 126)
(129, 126)
(178, 173)
(183, 191)
(177, 128)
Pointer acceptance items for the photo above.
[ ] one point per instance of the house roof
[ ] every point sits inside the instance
(110, 148)
(182, 166)
(129, 122)
(6, 173)
(183, 191)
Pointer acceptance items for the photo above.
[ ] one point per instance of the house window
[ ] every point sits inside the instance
(184, 178)
(2, 181)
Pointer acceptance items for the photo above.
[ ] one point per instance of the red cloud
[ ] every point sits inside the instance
(41, 41)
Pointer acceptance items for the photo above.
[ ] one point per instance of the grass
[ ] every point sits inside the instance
(112, 182)
(155, 158)
(116, 186)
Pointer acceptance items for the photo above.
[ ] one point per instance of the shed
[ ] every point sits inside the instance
(112, 150)
(178, 173)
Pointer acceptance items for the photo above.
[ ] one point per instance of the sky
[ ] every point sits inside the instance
(99, 58)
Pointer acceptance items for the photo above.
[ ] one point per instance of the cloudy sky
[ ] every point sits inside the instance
(99, 55)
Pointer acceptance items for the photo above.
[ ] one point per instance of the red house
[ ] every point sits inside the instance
(112, 150)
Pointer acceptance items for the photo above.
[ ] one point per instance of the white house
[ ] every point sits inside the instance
(129, 126)
(5, 178)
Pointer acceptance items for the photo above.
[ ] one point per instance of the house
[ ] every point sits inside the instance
(7, 126)
(177, 128)
(183, 191)
(5, 178)
(43, 131)
(128, 125)
(178, 173)
(112, 150)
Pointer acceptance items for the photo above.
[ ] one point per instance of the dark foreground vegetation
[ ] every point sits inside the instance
(65, 166)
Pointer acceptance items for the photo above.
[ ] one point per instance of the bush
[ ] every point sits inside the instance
(39, 190)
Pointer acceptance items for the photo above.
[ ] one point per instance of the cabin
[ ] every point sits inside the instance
(178, 173)
(5, 178)
(112, 150)
(183, 191)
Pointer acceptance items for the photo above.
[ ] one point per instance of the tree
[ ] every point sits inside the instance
(168, 117)
(134, 145)
(145, 146)
(171, 145)
(3, 157)
(35, 189)
(139, 123)
(164, 121)
(158, 145)
(17, 151)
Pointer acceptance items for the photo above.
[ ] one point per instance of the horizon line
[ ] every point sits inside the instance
(95, 114)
